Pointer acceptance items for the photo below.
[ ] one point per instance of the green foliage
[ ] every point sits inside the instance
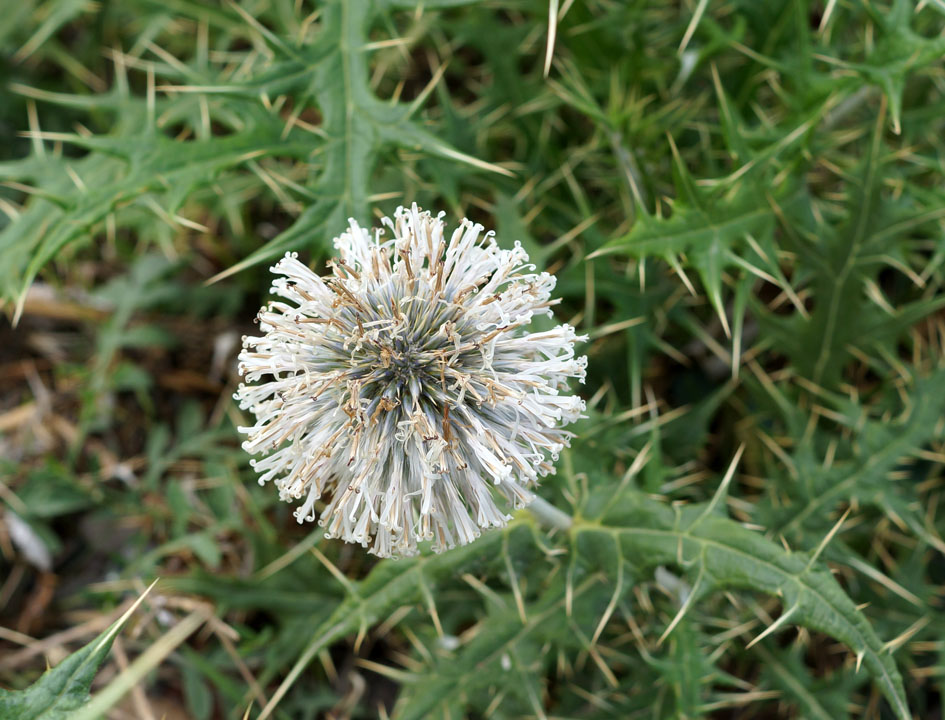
(64, 689)
(622, 537)
(717, 553)
(742, 202)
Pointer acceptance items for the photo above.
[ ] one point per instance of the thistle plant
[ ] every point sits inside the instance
(404, 387)
(741, 201)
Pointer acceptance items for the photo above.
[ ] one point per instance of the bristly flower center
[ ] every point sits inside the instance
(405, 387)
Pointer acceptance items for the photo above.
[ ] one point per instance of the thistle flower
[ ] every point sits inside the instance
(403, 388)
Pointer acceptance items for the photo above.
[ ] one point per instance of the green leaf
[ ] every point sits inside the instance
(717, 553)
(881, 445)
(705, 229)
(123, 170)
(899, 52)
(389, 585)
(506, 652)
(836, 317)
(709, 227)
(817, 699)
(52, 491)
(199, 697)
(358, 128)
(65, 688)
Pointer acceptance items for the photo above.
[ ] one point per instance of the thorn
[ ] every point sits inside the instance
(333, 569)
(674, 262)
(693, 594)
(516, 590)
(827, 538)
(906, 634)
(568, 597)
(720, 309)
(723, 486)
(421, 98)
(18, 312)
(825, 18)
(35, 130)
(431, 608)
(691, 28)
(362, 633)
(261, 29)
(447, 151)
(552, 33)
(116, 626)
(151, 102)
(773, 627)
(612, 605)
(9, 209)
(239, 267)
(76, 180)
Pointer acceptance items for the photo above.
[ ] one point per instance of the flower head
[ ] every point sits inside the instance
(403, 389)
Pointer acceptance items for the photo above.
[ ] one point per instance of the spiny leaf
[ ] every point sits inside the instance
(719, 222)
(125, 168)
(503, 649)
(358, 128)
(64, 689)
(718, 553)
(389, 585)
(899, 52)
(818, 699)
(882, 445)
(834, 322)
(709, 228)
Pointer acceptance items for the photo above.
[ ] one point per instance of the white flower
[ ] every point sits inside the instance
(404, 390)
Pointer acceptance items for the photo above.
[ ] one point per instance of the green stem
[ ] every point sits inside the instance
(550, 516)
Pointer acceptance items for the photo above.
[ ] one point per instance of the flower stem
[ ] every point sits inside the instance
(550, 516)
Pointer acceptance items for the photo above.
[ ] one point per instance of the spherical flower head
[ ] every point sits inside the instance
(403, 390)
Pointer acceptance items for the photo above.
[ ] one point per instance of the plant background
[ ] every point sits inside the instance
(743, 202)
